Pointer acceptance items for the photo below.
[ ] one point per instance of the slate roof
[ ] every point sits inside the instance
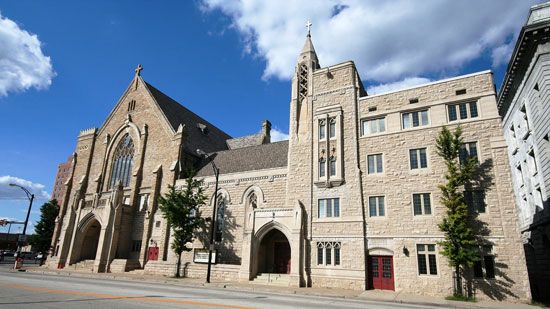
(245, 159)
(246, 141)
(213, 140)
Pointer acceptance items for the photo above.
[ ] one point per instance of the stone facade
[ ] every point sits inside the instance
(523, 104)
(63, 173)
(300, 208)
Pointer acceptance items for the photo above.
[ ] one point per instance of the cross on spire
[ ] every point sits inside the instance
(308, 26)
(138, 70)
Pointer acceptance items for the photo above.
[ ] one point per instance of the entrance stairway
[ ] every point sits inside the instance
(84, 265)
(272, 279)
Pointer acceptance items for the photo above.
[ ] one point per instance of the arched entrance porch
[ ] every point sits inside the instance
(274, 253)
(90, 240)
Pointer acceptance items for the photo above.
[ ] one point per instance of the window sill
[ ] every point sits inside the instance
(329, 183)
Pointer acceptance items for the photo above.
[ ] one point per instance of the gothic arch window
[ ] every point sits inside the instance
(122, 162)
(220, 217)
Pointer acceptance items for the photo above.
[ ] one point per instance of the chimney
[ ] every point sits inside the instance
(266, 131)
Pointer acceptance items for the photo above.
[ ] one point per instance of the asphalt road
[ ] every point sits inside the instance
(33, 290)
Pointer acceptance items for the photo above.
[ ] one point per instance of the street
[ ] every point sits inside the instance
(32, 290)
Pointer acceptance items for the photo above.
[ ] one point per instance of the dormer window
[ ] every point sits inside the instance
(203, 128)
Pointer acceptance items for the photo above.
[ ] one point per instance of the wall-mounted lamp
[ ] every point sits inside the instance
(405, 251)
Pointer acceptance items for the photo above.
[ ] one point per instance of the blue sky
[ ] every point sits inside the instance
(64, 64)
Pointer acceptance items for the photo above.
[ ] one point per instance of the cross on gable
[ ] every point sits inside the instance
(138, 70)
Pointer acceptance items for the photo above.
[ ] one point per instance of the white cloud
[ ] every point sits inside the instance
(22, 63)
(388, 40)
(278, 135)
(402, 84)
(8, 192)
(501, 54)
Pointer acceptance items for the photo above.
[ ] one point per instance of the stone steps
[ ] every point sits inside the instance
(84, 265)
(272, 279)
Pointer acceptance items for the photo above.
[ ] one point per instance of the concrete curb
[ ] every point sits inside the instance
(312, 292)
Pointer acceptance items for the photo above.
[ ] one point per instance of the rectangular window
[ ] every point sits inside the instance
(320, 252)
(376, 206)
(329, 207)
(332, 128)
(422, 204)
(337, 256)
(468, 150)
(415, 119)
(332, 165)
(478, 269)
(475, 200)
(371, 126)
(322, 130)
(489, 261)
(322, 168)
(375, 165)
(465, 110)
(485, 267)
(418, 158)
(426, 259)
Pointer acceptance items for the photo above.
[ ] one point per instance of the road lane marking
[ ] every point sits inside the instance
(120, 297)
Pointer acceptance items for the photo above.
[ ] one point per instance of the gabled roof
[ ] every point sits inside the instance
(246, 141)
(200, 133)
(265, 156)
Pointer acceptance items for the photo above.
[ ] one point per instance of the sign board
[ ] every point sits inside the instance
(201, 256)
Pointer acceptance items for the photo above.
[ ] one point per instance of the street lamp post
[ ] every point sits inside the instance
(213, 228)
(30, 196)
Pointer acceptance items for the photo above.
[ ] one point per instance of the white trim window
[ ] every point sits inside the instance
(377, 207)
(332, 128)
(375, 125)
(415, 119)
(418, 158)
(322, 129)
(427, 261)
(328, 253)
(422, 204)
(329, 207)
(322, 168)
(332, 166)
(462, 110)
(375, 163)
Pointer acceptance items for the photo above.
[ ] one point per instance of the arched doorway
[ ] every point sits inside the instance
(90, 240)
(274, 253)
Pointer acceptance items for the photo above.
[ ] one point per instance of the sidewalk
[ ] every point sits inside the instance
(370, 295)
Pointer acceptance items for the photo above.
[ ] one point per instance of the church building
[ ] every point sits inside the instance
(351, 200)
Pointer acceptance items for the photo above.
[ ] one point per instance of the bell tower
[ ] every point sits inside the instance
(302, 88)
(300, 154)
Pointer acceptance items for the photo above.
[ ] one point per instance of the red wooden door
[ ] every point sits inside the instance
(381, 272)
(153, 254)
(281, 257)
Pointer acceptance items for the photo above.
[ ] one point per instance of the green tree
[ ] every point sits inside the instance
(41, 241)
(460, 245)
(182, 211)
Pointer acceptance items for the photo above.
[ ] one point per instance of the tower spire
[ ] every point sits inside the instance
(308, 53)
